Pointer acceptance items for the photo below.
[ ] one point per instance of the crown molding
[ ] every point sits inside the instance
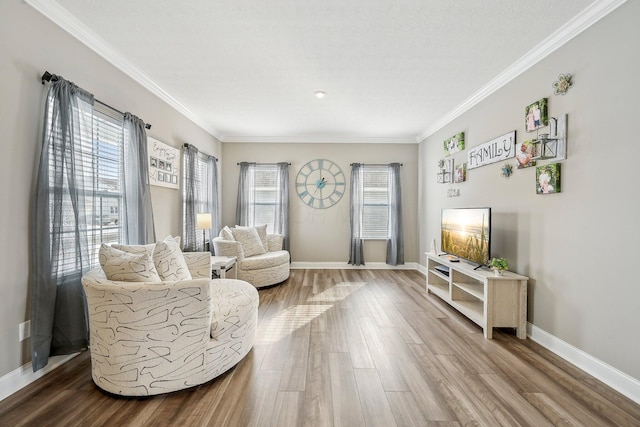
(585, 19)
(69, 23)
(318, 140)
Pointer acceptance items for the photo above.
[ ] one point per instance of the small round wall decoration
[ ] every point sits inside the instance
(320, 183)
(506, 170)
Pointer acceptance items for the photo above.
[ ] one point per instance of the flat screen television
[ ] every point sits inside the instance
(466, 233)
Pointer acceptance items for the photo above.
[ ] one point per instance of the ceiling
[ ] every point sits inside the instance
(393, 71)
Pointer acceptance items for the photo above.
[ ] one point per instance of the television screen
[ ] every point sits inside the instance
(466, 233)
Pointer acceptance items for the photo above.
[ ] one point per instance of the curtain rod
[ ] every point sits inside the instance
(47, 77)
(266, 164)
(373, 164)
(186, 145)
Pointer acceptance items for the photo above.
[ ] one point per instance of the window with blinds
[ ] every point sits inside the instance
(265, 196)
(100, 184)
(201, 182)
(375, 202)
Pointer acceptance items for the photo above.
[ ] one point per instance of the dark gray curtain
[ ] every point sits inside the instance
(138, 213)
(190, 194)
(281, 225)
(246, 196)
(356, 248)
(64, 190)
(211, 199)
(395, 241)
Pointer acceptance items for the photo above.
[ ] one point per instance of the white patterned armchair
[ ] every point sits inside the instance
(261, 260)
(148, 338)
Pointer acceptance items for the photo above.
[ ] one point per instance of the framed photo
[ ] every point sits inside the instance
(525, 153)
(164, 161)
(454, 144)
(536, 115)
(548, 179)
(461, 172)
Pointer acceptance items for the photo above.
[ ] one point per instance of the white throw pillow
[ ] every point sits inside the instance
(226, 233)
(136, 249)
(249, 240)
(127, 267)
(262, 233)
(170, 262)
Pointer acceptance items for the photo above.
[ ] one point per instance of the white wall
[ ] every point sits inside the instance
(29, 45)
(322, 235)
(579, 247)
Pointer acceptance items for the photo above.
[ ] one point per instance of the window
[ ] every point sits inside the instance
(100, 187)
(375, 202)
(265, 196)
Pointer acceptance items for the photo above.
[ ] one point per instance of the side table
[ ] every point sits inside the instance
(221, 264)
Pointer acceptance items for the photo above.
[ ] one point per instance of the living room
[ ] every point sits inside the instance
(577, 246)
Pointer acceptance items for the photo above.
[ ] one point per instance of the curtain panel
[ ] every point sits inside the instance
(190, 196)
(281, 225)
(213, 201)
(356, 247)
(245, 201)
(64, 193)
(395, 241)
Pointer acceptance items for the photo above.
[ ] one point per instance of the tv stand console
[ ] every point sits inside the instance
(486, 299)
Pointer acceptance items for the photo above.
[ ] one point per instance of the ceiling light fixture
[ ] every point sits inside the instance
(320, 94)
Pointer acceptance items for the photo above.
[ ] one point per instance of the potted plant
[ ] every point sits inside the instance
(498, 265)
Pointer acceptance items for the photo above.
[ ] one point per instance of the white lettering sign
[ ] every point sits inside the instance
(500, 148)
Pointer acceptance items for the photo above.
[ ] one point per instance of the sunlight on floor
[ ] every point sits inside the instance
(297, 316)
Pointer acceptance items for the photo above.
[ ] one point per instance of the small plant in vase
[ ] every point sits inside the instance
(499, 265)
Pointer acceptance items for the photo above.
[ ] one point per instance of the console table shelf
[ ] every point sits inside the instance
(486, 299)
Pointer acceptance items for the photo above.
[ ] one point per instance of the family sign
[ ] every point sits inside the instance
(495, 150)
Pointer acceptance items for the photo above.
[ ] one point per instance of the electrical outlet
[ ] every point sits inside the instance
(24, 330)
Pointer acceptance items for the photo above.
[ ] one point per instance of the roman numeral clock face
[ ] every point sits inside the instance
(320, 183)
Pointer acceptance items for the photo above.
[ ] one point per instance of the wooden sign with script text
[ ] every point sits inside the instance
(500, 148)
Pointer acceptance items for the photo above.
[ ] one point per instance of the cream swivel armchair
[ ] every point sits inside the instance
(149, 337)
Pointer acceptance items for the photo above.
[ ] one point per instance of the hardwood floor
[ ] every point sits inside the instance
(350, 348)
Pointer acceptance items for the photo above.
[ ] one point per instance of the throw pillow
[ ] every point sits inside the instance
(249, 240)
(170, 262)
(136, 249)
(262, 232)
(226, 233)
(127, 267)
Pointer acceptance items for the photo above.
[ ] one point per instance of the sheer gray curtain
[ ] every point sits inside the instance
(281, 225)
(190, 194)
(64, 195)
(356, 248)
(138, 213)
(212, 201)
(246, 197)
(395, 241)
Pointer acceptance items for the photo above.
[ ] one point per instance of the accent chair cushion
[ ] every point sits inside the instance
(136, 249)
(127, 267)
(262, 233)
(226, 233)
(169, 261)
(249, 240)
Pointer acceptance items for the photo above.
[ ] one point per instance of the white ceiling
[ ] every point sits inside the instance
(394, 71)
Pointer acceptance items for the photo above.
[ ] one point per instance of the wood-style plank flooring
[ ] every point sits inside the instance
(350, 348)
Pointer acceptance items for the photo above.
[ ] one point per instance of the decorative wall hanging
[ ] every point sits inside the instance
(553, 146)
(453, 192)
(454, 144)
(461, 172)
(536, 115)
(164, 164)
(506, 170)
(548, 179)
(445, 175)
(563, 84)
(495, 150)
(320, 183)
(526, 153)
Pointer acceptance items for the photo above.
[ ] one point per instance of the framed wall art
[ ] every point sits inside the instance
(536, 115)
(548, 179)
(454, 144)
(164, 164)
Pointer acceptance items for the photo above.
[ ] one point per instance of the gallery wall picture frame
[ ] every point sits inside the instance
(454, 144)
(548, 179)
(536, 115)
(526, 152)
(492, 151)
(461, 172)
(164, 164)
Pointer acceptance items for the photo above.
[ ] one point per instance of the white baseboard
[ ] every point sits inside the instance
(609, 375)
(345, 266)
(24, 375)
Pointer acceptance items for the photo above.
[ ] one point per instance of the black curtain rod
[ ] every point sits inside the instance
(268, 164)
(373, 164)
(186, 144)
(47, 77)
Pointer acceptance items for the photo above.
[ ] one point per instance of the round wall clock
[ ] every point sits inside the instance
(320, 183)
